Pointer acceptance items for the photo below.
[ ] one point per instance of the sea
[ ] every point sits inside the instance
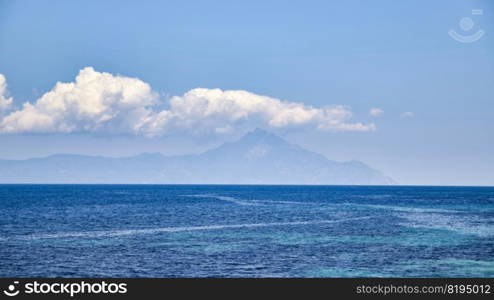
(246, 231)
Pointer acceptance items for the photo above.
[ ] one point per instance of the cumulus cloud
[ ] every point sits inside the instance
(407, 114)
(5, 102)
(376, 112)
(94, 102)
(215, 109)
(105, 103)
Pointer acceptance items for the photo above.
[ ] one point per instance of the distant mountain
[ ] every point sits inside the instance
(259, 157)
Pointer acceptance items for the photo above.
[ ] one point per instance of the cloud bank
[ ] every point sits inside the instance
(100, 102)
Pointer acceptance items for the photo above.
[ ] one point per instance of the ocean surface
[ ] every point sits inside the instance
(245, 231)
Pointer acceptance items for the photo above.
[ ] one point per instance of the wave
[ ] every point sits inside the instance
(405, 209)
(463, 225)
(374, 206)
(287, 202)
(130, 232)
(226, 198)
(252, 202)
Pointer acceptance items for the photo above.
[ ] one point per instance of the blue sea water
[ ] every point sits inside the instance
(245, 231)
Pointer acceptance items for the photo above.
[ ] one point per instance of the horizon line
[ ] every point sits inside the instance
(256, 184)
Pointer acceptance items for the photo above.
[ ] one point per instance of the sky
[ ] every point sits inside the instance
(406, 87)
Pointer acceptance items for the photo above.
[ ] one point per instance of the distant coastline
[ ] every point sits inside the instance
(259, 157)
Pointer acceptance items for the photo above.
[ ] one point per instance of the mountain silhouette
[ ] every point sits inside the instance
(259, 157)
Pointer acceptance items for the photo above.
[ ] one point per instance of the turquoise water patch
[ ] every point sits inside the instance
(413, 237)
(221, 248)
(343, 272)
(449, 267)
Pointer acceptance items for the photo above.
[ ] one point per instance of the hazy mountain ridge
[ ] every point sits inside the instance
(258, 157)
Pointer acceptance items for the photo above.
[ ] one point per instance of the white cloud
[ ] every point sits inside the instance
(215, 109)
(94, 102)
(102, 102)
(5, 102)
(376, 112)
(407, 114)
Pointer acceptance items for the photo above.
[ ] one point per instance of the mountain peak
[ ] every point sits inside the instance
(259, 157)
(258, 136)
(258, 132)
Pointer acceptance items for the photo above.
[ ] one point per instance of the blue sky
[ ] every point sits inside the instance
(396, 56)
